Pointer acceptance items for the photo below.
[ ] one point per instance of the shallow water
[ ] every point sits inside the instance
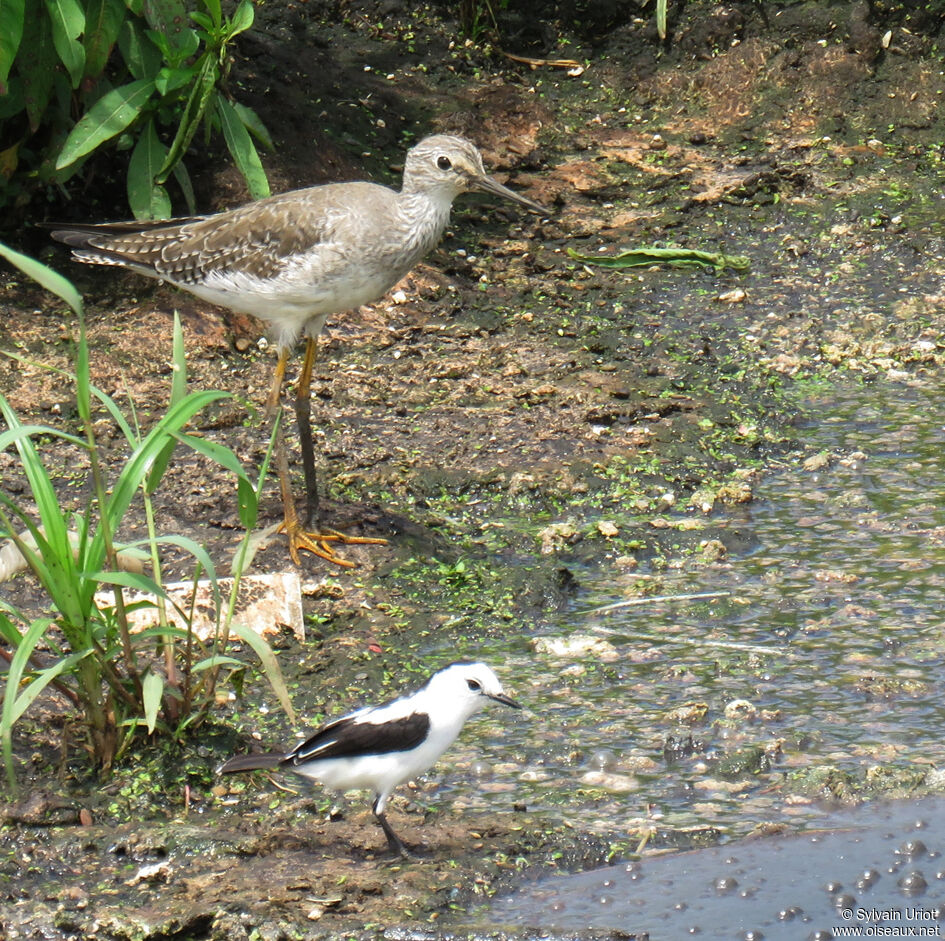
(830, 630)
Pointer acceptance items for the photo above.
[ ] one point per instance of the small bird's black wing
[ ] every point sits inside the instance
(358, 735)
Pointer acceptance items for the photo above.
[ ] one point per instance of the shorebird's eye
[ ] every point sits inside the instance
(474, 685)
(443, 162)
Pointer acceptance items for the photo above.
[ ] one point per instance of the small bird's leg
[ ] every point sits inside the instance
(303, 416)
(275, 393)
(394, 842)
(296, 529)
(292, 526)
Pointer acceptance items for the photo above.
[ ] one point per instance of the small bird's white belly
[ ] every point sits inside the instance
(379, 773)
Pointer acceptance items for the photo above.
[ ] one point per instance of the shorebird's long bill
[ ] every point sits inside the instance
(493, 186)
(505, 700)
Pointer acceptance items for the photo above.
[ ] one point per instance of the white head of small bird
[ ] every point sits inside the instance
(467, 687)
(450, 166)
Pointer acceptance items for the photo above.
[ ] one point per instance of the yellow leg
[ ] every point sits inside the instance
(275, 393)
(296, 530)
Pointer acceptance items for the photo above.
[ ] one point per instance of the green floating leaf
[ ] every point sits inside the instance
(676, 257)
(110, 115)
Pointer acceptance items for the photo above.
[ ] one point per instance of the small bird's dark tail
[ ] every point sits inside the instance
(255, 762)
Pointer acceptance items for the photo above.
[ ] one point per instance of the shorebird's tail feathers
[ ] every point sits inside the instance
(255, 762)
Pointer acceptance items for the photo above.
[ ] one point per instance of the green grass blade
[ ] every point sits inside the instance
(42, 679)
(11, 692)
(129, 580)
(270, 666)
(178, 393)
(51, 280)
(141, 460)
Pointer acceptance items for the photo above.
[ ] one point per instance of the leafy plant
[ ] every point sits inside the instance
(143, 75)
(161, 678)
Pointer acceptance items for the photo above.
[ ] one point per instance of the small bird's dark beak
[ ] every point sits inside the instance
(505, 700)
(489, 185)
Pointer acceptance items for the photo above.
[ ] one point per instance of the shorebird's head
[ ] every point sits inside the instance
(450, 166)
(467, 687)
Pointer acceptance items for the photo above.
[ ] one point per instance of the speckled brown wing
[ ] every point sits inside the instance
(258, 240)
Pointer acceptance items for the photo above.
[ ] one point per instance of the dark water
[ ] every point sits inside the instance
(881, 867)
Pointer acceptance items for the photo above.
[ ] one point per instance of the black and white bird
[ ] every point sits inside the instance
(380, 747)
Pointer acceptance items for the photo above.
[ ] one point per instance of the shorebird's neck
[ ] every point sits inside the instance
(425, 214)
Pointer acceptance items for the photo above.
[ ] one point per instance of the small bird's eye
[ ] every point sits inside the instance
(443, 162)
(474, 685)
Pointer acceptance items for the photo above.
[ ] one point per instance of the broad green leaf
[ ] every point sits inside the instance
(152, 691)
(253, 123)
(215, 11)
(197, 102)
(241, 146)
(68, 23)
(110, 115)
(186, 187)
(142, 57)
(11, 32)
(103, 19)
(168, 17)
(147, 199)
(51, 280)
(169, 79)
(270, 666)
(11, 105)
(38, 69)
(676, 257)
(241, 20)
